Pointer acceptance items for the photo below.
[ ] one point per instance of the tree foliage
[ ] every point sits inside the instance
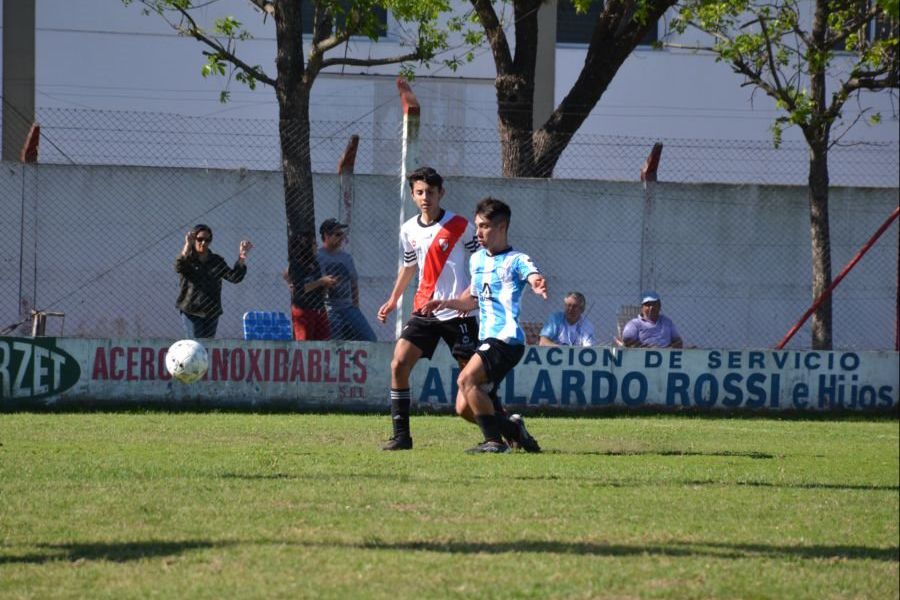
(781, 48)
(333, 24)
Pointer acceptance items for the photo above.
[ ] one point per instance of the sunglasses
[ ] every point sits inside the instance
(203, 240)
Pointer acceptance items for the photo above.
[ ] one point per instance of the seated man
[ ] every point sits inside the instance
(569, 327)
(651, 329)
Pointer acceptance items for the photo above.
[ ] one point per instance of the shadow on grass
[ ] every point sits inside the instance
(113, 552)
(600, 481)
(711, 549)
(724, 453)
(387, 477)
(716, 482)
(129, 551)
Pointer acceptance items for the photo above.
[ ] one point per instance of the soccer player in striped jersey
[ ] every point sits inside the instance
(499, 276)
(436, 243)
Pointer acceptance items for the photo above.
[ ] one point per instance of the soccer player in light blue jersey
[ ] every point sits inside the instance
(499, 276)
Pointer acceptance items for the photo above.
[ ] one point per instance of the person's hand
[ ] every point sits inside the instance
(386, 309)
(431, 306)
(539, 286)
(244, 247)
(328, 280)
(188, 242)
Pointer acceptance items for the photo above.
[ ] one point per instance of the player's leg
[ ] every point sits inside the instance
(406, 354)
(463, 339)
(473, 381)
(498, 359)
(461, 336)
(523, 439)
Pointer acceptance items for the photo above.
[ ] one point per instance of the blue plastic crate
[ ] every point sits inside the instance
(267, 325)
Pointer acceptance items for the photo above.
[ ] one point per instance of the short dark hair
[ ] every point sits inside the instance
(494, 210)
(428, 175)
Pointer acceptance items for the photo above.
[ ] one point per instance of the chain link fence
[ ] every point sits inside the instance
(76, 136)
(94, 228)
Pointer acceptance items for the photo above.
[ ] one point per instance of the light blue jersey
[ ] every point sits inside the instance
(498, 282)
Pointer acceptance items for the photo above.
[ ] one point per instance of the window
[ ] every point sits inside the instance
(883, 27)
(575, 28)
(308, 10)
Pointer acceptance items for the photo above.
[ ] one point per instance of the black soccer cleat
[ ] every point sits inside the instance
(398, 443)
(488, 448)
(526, 442)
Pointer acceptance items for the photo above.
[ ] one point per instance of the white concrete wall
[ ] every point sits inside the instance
(731, 262)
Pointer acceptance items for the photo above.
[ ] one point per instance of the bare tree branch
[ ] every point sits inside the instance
(219, 50)
(770, 56)
(495, 34)
(370, 62)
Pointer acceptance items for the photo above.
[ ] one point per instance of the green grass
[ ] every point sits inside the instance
(264, 506)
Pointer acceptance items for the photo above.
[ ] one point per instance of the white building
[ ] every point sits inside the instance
(103, 55)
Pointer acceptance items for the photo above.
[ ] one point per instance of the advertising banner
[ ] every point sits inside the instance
(114, 373)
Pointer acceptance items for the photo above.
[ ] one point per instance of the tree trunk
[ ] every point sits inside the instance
(515, 104)
(821, 244)
(529, 153)
(817, 132)
(292, 92)
(515, 94)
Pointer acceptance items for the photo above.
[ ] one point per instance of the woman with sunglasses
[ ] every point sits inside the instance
(202, 272)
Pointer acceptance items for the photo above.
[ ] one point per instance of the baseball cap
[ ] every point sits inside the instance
(330, 226)
(649, 296)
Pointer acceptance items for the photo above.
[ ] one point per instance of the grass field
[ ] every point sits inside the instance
(266, 506)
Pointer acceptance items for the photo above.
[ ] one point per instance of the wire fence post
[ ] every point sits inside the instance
(346, 168)
(409, 162)
(648, 177)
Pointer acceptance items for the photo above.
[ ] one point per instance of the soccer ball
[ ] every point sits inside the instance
(187, 361)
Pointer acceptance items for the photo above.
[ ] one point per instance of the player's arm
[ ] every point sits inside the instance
(404, 276)
(538, 284)
(464, 303)
(545, 341)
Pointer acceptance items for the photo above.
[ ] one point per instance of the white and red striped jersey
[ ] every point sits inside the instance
(441, 250)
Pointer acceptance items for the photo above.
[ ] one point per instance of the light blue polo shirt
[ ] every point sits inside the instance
(560, 331)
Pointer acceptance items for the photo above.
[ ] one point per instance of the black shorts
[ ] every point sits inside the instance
(460, 335)
(499, 358)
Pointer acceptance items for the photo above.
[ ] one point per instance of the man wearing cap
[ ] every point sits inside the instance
(651, 329)
(342, 299)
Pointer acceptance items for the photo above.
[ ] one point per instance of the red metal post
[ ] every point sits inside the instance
(838, 279)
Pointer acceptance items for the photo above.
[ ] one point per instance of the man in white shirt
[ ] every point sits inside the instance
(569, 327)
